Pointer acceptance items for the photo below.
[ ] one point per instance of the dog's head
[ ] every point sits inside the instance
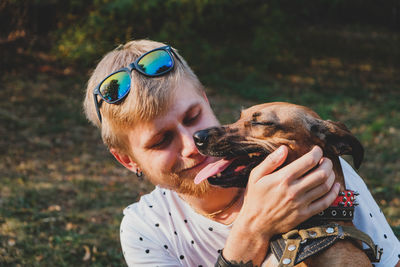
(263, 128)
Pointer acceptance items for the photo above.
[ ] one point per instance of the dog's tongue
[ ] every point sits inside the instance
(212, 169)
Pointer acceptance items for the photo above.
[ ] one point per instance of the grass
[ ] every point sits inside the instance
(62, 194)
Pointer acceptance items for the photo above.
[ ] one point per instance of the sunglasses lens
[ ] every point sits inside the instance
(115, 87)
(156, 63)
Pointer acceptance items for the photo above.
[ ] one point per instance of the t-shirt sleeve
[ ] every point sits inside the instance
(370, 219)
(141, 246)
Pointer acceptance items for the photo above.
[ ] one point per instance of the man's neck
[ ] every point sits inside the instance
(222, 203)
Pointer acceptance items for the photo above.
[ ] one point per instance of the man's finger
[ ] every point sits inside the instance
(302, 165)
(321, 189)
(321, 178)
(269, 164)
(325, 201)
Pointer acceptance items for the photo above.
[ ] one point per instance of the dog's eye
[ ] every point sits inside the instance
(264, 123)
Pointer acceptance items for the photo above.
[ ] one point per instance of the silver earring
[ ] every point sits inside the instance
(138, 173)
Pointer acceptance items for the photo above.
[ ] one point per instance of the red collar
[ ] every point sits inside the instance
(345, 198)
(342, 209)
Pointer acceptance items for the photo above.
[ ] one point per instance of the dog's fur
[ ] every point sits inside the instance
(263, 128)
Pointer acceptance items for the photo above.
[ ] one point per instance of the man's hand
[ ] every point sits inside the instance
(275, 202)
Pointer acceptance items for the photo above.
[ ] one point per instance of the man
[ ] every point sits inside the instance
(147, 103)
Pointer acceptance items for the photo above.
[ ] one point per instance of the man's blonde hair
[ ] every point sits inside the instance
(148, 97)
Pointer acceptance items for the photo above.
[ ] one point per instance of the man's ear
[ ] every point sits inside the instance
(125, 160)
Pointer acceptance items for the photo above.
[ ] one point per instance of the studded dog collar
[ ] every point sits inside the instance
(342, 209)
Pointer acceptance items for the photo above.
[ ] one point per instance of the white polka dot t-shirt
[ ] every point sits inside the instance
(163, 230)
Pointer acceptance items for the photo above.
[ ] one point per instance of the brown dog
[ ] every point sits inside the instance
(263, 128)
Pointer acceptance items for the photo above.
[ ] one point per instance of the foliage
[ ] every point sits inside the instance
(81, 31)
(200, 28)
(62, 194)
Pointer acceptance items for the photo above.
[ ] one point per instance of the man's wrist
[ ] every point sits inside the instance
(222, 262)
(246, 227)
(245, 246)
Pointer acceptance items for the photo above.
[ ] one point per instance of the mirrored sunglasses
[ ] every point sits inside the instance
(118, 84)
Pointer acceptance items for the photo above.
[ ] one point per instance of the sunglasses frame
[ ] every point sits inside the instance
(133, 66)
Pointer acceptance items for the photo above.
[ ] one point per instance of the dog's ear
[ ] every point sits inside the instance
(339, 139)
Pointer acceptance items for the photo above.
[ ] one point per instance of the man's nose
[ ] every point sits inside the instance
(201, 138)
(188, 146)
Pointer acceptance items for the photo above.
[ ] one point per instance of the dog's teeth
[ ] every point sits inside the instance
(219, 174)
(255, 154)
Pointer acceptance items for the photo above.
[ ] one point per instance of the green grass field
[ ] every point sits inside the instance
(62, 194)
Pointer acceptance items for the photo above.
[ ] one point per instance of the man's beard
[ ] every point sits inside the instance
(184, 184)
(181, 179)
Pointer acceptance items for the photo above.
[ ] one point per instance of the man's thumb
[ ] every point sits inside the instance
(270, 163)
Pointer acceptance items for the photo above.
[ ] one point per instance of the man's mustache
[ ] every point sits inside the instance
(188, 164)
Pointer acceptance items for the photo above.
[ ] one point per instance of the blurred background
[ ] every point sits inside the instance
(62, 194)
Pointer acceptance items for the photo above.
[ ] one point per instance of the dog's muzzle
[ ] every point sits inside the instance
(237, 159)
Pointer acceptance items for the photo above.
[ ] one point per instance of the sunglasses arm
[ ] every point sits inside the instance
(96, 104)
(176, 56)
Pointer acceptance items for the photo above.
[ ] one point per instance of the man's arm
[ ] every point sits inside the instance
(275, 202)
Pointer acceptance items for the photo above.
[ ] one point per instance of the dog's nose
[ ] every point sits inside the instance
(201, 138)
